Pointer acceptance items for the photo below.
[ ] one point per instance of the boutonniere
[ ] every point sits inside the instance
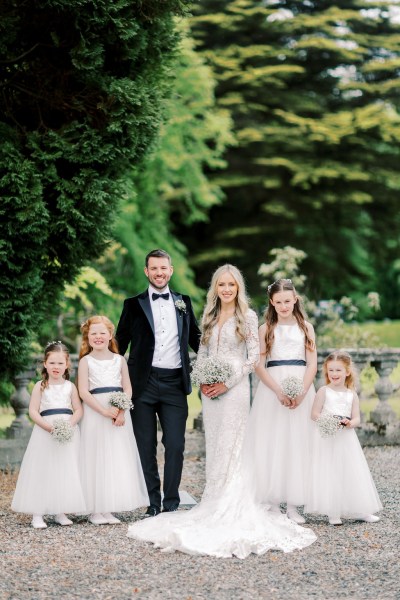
(180, 305)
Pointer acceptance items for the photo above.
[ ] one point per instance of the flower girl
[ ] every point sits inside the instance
(279, 429)
(49, 481)
(341, 483)
(112, 475)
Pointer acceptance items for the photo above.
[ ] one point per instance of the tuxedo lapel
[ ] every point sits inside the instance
(179, 313)
(144, 302)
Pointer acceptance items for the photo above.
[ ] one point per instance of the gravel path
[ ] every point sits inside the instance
(358, 560)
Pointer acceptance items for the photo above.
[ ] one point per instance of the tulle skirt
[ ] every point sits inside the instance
(277, 444)
(49, 479)
(112, 476)
(341, 484)
(230, 524)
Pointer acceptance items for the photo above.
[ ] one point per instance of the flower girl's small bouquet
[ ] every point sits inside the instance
(328, 425)
(212, 369)
(292, 386)
(120, 400)
(62, 431)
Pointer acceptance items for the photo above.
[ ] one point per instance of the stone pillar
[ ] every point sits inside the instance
(361, 359)
(384, 362)
(320, 377)
(198, 422)
(21, 427)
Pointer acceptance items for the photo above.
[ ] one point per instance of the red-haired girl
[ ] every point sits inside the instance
(112, 475)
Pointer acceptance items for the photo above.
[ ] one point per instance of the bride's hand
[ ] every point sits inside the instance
(205, 389)
(216, 389)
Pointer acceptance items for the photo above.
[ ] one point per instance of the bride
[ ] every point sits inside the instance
(227, 522)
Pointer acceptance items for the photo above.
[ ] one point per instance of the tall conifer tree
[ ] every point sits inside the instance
(82, 85)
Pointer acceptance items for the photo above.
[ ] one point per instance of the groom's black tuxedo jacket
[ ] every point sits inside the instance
(136, 327)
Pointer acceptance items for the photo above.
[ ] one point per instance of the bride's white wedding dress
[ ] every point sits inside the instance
(227, 522)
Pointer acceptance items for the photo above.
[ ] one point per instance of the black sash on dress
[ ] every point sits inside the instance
(293, 361)
(105, 390)
(56, 411)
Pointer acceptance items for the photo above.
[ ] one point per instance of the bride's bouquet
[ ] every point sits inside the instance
(120, 400)
(328, 424)
(62, 431)
(212, 369)
(292, 386)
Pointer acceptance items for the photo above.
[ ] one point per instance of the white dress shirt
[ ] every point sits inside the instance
(166, 351)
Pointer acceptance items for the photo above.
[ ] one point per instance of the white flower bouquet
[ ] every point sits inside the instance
(120, 400)
(292, 386)
(328, 424)
(62, 431)
(212, 369)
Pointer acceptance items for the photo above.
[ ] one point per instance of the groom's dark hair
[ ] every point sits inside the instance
(158, 253)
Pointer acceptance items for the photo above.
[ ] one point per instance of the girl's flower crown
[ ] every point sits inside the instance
(53, 343)
(278, 281)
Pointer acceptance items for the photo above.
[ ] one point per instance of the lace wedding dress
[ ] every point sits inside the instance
(227, 522)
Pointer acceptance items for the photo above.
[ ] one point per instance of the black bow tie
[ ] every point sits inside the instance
(157, 296)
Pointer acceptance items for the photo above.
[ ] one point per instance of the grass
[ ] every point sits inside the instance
(194, 403)
(387, 332)
(7, 416)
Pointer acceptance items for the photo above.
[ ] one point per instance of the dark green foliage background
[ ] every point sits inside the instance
(82, 83)
(314, 92)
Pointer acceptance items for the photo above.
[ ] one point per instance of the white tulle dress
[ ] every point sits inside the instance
(227, 522)
(341, 483)
(49, 480)
(112, 476)
(277, 445)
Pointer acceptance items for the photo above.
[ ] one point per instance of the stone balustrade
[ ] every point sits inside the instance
(382, 428)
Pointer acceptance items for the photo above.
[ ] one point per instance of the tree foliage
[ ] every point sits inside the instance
(334, 320)
(82, 85)
(313, 89)
(169, 186)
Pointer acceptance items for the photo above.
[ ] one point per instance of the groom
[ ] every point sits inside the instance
(159, 325)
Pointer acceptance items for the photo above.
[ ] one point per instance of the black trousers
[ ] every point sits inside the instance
(163, 396)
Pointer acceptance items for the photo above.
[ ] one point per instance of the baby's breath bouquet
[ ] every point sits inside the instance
(328, 425)
(212, 369)
(292, 386)
(120, 400)
(62, 431)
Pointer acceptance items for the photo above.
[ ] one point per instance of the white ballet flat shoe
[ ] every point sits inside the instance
(97, 519)
(369, 519)
(296, 517)
(111, 520)
(335, 521)
(38, 522)
(62, 519)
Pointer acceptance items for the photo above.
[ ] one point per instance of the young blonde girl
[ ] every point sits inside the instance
(112, 475)
(49, 480)
(341, 484)
(277, 443)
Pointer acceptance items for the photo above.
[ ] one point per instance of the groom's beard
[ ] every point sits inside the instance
(158, 285)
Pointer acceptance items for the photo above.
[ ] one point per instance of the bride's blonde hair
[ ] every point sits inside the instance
(213, 304)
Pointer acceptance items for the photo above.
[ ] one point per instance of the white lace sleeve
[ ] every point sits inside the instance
(202, 352)
(252, 350)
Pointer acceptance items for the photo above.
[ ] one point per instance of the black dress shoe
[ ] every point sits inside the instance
(152, 511)
(171, 508)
